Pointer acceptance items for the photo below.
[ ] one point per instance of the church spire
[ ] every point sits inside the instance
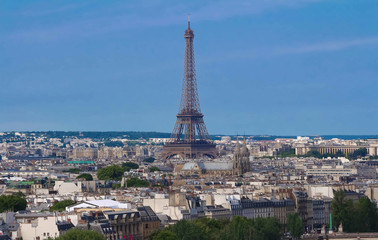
(237, 148)
(244, 148)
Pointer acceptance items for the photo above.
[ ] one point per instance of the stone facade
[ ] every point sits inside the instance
(241, 163)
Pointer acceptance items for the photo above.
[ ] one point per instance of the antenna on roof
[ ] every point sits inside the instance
(189, 20)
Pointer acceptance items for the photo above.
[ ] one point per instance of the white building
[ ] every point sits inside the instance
(33, 226)
(65, 188)
(334, 171)
(105, 203)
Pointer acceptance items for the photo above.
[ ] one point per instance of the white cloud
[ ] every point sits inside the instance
(299, 48)
(327, 46)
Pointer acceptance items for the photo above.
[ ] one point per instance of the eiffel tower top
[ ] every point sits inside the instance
(189, 96)
(189, 32)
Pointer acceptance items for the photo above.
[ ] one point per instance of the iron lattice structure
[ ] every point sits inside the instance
(189, 138)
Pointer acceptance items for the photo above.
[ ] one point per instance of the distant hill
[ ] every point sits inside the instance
(134, 135)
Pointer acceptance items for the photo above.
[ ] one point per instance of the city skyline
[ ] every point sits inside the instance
(277, 68)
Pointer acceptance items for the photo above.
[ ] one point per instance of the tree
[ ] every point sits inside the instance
(113, 143)
(163, 235)
(154, 169)
(344, 211)
(211, 227)
(74, 170)
(186, 230)
(339, 154)
(295, 225)
(130, 165)
(314, 153)
(14, 202)
(136, 182)
(86, 176)
(366, 217)
(149, 160)
(338, 207)
(61, 206)
(361, 216)
(267, 228)
(287, 153)
(361, 152)
(239, 228)
(110, 173)
(78, 234)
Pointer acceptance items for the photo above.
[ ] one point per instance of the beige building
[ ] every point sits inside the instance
(139, 224)
(372, 192)
(217, 212)
(171, 205)
(303, 149)
(65, 188)
(205, 168)
(37, 226)
(334, 171)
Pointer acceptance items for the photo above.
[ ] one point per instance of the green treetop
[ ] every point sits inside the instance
(110, 173)
(78, 234)
(86, 176)
(61, 205)
(295, 225)
(14, 202)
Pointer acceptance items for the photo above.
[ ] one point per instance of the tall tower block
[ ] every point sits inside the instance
(189, 138)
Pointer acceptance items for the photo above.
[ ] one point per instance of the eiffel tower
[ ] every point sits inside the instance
(189, 138)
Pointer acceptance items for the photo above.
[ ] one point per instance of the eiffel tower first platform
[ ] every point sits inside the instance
(189, 138)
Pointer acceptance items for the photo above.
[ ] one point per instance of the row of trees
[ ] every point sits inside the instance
(113, 143)
(79, 234)
(287, 153)
(360, 216)
(73, 170)
(239, 228)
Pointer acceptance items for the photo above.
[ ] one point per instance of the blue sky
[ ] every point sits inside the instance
(283, 67)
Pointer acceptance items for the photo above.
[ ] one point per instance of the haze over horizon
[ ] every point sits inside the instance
(263, 67)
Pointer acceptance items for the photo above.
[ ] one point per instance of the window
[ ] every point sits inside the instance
(147, 225)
